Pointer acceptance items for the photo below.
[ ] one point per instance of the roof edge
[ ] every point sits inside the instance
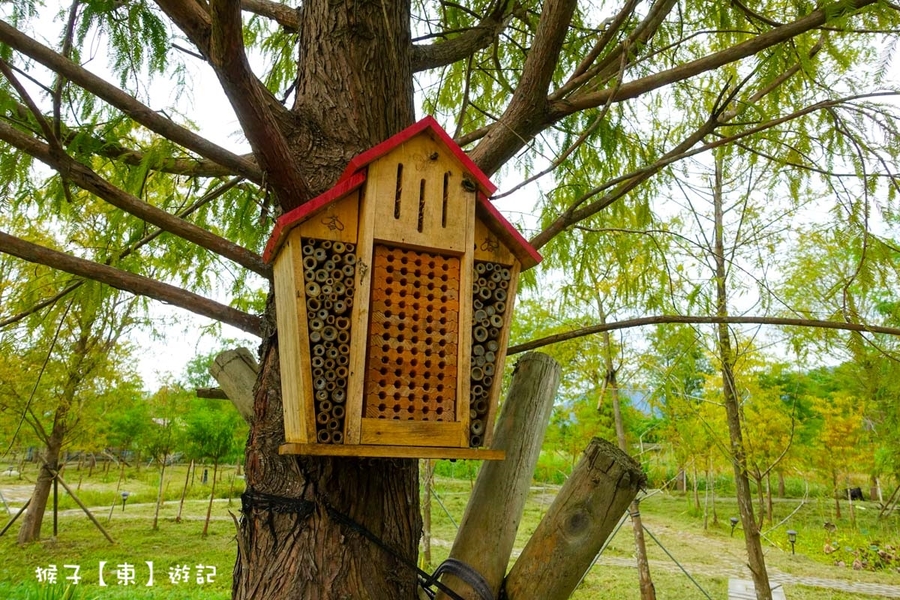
(360, 161)
(291, 219)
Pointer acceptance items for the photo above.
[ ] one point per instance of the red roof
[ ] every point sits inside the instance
(355, 175)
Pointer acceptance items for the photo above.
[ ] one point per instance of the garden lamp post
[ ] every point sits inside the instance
(124, 498)
(734, 522)
(792, 538)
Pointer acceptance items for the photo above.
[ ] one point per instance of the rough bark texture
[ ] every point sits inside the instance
(488, 528)
(295, 541)
(354, 82)
(584, 513)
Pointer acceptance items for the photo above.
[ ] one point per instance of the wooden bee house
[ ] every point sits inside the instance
(394, 293)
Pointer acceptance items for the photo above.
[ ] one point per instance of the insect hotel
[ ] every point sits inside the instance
(394, 294)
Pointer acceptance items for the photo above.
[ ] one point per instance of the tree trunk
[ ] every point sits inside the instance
(159, 493)
(696, 487)
(781, 490)
(770, 512)
(755, 558)
(30, 530)
(212, 497)
(187, 478)
(569, 537)
(426, 513)
(648, 591)
(712, 489)
(760, 494)
(488, 528)
(354, 89)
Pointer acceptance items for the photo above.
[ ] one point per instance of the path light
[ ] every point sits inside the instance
(734, 522)
(124, 498)
(792, 538)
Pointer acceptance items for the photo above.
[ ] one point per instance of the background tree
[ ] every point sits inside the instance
(165, 433)
(627, 89)
(212, 433)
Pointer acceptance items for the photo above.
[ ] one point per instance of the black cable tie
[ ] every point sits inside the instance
(459, 569)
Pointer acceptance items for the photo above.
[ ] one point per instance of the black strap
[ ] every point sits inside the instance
(459, 569)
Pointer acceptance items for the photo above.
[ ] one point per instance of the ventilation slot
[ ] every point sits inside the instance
(399, 191)
(444, 199)
(421, 220)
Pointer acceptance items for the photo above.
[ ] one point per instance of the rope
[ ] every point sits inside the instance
(674, 560)
(304, 508)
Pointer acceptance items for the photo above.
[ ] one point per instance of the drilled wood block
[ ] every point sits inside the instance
(413, 336)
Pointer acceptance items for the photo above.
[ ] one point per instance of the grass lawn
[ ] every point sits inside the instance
(711, 556)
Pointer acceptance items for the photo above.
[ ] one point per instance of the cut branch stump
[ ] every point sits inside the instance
(488, 528)
(584, 513)
(236, 371)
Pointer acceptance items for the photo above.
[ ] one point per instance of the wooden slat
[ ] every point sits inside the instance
(409, 433)
(416, 157)
(463, 397)
(488, 247)
(286, 273)
(337, 222)
(390, 451)
(359, 320)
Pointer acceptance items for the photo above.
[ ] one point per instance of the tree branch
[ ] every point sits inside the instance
(665, 319)
(74, 285)
(506, 137)
(526, 114)
(289, 18)
(253, 104)
(85, 178)
(130, 282)
(480, 36)
(137, 111)
(642, 34)
(775, 36)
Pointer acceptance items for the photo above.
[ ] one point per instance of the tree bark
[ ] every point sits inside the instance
(30, 530)
(426, 513)
(583, 514)
(755, 557)
(488, 528)
(354, 89)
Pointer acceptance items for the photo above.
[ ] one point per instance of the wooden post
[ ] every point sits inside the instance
(236, 371)
(85, 509)
(582, 516)
(18, 514)
(488, 528)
